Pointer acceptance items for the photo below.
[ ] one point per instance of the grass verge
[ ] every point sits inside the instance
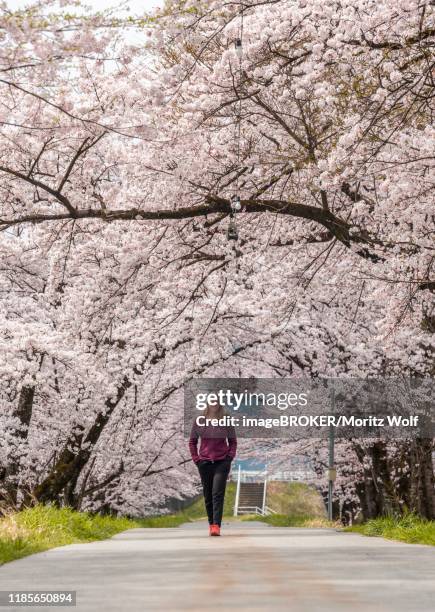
(295, 499)
(288, 520)
(409, 528)
(42, 527)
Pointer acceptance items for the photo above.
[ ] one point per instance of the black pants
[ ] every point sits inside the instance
(214, 476)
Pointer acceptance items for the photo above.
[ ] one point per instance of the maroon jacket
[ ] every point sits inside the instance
(214, 445)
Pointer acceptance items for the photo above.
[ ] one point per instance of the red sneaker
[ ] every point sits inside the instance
(215, 530)
(210, 530)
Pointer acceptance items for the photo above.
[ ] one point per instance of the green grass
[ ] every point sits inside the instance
(165, 520)
(42, 527)
(409, 528)
(295, 499)
(296, 505)
(291, 520)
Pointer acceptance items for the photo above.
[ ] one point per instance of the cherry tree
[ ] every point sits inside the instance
(118, 167)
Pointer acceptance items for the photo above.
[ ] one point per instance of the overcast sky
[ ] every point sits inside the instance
(135, 6)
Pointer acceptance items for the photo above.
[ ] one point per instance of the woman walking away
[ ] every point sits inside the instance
(216, 452)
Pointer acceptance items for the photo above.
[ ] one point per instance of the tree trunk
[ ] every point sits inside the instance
(74, 456)
(9, 474)
(386, 494)
(422, 481)
(412, 489)
(366, 488)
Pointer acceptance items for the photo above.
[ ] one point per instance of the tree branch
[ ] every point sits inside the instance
(54, 192)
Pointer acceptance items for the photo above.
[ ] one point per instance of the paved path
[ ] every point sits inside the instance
(253, 567)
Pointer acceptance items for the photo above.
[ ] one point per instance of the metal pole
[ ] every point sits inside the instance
(331, 466)
(264, 494)
(236, 503)
(331, 471)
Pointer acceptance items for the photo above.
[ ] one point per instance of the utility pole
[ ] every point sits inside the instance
(263, 509)
(331, 468)
(236, 502)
